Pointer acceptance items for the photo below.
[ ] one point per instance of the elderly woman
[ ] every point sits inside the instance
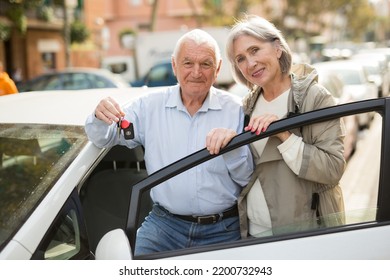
(295, 185)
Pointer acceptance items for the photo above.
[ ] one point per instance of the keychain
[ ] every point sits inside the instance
(127, 127)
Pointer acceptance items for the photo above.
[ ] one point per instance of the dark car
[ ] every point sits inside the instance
(160, 74)
(74, 79)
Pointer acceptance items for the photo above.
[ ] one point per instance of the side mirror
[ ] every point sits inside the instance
(114, 245)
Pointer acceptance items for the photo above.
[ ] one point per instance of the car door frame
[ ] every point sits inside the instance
(380, 105)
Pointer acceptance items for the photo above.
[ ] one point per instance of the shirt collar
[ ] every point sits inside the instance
(211, 103)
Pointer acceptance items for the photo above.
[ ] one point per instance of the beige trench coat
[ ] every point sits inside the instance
(289, 197)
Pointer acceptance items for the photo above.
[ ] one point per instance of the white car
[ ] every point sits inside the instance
(376, 73)
(357, 86)
(62, 197)
(331, 81)
(354, 77)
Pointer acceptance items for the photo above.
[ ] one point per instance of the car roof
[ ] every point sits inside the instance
(365, 60)
(346, 63)
(60, 106)
(79, 69)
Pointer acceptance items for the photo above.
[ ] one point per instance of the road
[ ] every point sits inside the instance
(361, 177)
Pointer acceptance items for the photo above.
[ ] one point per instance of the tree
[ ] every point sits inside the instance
(78, 32)
(15, 10)
(360, 17)
(296, 18)
(357, 14)
(224, 13)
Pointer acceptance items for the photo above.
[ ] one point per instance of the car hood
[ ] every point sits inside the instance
(59, 107)
(360, 92)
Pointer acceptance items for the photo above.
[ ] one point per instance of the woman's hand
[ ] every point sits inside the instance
(258, 124)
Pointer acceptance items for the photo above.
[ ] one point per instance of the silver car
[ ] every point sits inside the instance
(74, 78)
(357, 85)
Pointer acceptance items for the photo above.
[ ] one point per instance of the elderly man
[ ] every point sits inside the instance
(199, 206)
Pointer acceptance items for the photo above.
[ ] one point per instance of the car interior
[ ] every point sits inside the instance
(106, 194)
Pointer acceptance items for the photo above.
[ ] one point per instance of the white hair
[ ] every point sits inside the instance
(199, 37)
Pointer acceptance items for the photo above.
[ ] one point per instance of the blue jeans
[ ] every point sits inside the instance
(161, 231)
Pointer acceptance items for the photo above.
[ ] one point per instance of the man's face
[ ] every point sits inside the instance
(195, 68)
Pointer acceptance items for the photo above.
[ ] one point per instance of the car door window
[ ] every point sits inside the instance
(66, 238)
(49, 82)
(158, 73)
(96, 81)
(73, 81)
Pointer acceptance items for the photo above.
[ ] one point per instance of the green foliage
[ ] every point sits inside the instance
(309, 15)
(79, 33)
(45, 13)
(25, 4)
(360, 18)
(16, 15)
(5, 32)
(219, 13)
(124, 32)
(16, 11)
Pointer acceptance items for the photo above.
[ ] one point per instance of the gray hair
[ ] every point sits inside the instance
(263, 30)
(199, 37)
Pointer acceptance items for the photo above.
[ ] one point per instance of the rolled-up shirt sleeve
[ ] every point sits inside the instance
(240, 164)
(100, 133)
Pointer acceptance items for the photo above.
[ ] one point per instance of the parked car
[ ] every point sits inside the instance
(356, 83)
(74, 79)
(333, 83)
(381, 55)
(376, 72)
(238, 89)
(63, 198)
(160, 74)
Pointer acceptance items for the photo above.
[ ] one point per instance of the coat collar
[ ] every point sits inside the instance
(302, 75)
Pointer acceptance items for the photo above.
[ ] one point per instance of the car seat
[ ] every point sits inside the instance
(107, 193)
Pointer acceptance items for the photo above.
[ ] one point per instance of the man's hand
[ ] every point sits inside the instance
(218, 138)
(108, 110)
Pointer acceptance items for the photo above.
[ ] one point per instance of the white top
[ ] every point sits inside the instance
(292, 153)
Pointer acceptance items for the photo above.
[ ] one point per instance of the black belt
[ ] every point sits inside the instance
(210, 219)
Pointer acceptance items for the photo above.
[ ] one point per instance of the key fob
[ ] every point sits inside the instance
(128, 129)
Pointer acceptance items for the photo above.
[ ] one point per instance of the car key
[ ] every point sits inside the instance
(119, 128)
(128, 129)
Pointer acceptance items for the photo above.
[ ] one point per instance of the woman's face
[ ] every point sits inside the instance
(257, 60)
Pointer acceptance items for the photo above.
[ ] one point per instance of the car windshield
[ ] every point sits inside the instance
(32, 157)
(351, 77)
(372, 70)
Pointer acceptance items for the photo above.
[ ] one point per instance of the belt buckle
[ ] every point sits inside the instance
(204, 219)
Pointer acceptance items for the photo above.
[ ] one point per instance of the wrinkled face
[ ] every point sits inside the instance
(257, 60)
(195, 68)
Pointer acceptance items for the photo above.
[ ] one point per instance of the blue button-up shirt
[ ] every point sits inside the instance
(168, 133)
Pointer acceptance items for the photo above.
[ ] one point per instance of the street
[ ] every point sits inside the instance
(360, 180)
